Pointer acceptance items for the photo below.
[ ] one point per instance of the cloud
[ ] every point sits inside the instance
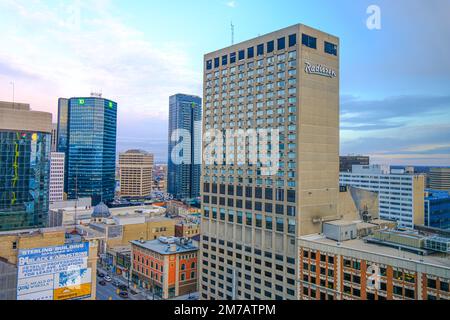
(231, 4)
(75, 49)
(391, 112)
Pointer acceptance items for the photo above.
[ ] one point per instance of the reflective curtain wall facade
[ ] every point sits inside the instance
(91, 155)
(24, 179)
(185, 114)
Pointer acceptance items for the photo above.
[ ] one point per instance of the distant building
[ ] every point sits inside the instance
(385, 265)
(160, 178)
(347, 162)
(400, 195)
(57, 176)
(166, 266)
(186, 229)
(439, 179)
(437, 209)
(136, 174)
(87, 129)
(25, 143)
(54, 137)
(183, 177)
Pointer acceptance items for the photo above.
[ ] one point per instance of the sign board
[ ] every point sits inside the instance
(54, 273)
(320, 69)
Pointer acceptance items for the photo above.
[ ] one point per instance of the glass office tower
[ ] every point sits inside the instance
(25, 142)
(184, 178)
(90, 148)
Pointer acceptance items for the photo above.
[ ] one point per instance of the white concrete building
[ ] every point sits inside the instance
(401, 196)
(57, 176)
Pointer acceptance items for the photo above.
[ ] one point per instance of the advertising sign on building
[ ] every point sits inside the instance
(54, 273)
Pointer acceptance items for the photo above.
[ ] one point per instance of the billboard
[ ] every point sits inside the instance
(54, 273)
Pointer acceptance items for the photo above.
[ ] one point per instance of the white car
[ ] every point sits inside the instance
(107, 279)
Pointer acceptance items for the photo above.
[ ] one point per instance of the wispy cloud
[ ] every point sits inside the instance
(231, 4)
(73, 50)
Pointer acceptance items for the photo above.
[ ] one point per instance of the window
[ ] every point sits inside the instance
(281, 43)
(241, 55)
(216, 62)
(309, 41)
(250, 53)
(292, 40)
(270, 46)
(183, 277)
(330, 48)
(233, 57)
(224, 60)
(209, 65)
(260, 50)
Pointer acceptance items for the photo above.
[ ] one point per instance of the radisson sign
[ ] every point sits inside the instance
(320, 70)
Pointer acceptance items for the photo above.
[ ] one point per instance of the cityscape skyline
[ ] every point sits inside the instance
(393, 108)
(312, 165)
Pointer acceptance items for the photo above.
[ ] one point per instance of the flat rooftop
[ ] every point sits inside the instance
(440, 260)
(164, 248)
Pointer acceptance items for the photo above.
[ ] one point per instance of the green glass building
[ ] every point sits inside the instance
(87, 132)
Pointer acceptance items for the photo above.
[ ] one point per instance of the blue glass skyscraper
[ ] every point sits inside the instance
(25, 143)
(87, 132)
(185, 113)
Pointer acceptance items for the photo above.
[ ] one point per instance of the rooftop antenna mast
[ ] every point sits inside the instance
(232, 33)
(13, 93)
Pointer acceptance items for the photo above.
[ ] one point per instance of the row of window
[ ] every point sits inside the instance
(261, 49)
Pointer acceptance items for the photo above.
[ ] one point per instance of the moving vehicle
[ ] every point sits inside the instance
(108, 278)
(123, 294)
(102, 283)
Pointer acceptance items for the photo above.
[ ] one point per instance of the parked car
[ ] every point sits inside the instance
(101, 275)
(107, 278)
(123, 294)
(122, 287)
(115, 283)
(102, 283)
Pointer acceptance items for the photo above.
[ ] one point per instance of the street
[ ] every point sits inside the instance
(109, 292)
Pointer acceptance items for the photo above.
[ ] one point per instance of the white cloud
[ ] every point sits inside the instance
(50, 57)
(231, 4)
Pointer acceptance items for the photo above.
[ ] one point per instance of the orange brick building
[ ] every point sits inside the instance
(166, 266)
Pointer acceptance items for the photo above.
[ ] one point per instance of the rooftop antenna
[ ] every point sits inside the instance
(13, 93)
(232, 33)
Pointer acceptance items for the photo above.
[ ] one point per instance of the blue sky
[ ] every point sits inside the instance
(395, 96)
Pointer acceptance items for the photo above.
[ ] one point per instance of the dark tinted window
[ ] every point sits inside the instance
(309, 41)
(270, 46)
(233, 57)
(241, 55)
(224, 60)
(209, 65)
(281, 43)
(250, 53)
(330, 48)
(292, 40)
(260, 50)
(216, 62)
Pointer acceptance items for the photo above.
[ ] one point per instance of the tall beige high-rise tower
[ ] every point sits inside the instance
(136, 173)
(287, 80)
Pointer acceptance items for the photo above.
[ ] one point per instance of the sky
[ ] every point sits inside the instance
(395, 81)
